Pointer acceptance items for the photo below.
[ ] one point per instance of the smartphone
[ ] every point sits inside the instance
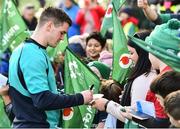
(3, 80)
(140, 115)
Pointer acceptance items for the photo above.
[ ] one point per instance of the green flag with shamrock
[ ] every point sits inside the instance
(12, 27)
(121, 61)
(78, 77)
(108, 21)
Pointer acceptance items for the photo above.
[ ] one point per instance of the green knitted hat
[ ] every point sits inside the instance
(102, 68)
(166, 36)
(164, 43)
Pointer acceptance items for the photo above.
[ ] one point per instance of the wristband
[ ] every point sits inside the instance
(105, 106)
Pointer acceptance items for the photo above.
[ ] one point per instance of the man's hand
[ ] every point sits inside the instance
(88, 96)
(99, 104)
(142, 4)
(4, 93)
(4, 90)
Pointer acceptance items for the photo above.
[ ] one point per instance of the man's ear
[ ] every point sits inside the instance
(49, 26)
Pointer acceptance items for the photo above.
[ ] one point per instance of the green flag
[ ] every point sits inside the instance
(12, 28)
(52, 52)
(78, 77)
(121, 61)
(107, 21)
(4, 121)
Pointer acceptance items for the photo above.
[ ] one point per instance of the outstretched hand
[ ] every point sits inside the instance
(142, 4)
(4, 90)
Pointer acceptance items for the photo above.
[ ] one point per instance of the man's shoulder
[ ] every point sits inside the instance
(28, 51)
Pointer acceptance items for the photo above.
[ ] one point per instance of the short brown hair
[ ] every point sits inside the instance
(58, 16)
(166, 83)
(97, 36)
(111, 90)
(172, 104)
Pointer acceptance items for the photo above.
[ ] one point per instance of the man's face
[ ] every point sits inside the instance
(56, 33)
(174, 122)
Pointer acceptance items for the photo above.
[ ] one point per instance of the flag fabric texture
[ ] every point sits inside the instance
(12, 27)
(4, 121)
(121, 61)
(107, 22)
(78, 77)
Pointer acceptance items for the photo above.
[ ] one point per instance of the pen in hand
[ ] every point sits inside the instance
(92, 86)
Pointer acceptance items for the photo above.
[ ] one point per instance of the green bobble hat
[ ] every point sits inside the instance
(164, 43)
(102, 68)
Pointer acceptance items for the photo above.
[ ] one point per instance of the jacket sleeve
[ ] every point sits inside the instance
(114, 109)
(46, 100)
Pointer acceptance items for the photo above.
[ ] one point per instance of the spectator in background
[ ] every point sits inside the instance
(168, 7)
(103, 72)
(165, 84)
(77, 49)
(106, 57)
(94, 45)
(100, 69)
(172, 107)
(111, 90)
(89, 18)
(128, 21)
(71, 8)
(153, 15)
(29, 17)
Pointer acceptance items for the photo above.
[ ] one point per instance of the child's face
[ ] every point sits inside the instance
(123, 16)
(174, 122)
(93, 48)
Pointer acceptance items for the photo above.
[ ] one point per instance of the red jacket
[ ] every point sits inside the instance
(96, 13)
(152, 98)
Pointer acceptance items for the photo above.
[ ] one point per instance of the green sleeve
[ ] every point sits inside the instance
(165, 17)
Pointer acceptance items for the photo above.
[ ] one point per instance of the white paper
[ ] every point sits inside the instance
(3, 80)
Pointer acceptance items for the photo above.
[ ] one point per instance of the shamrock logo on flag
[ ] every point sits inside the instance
(125, 61)
(68, 113)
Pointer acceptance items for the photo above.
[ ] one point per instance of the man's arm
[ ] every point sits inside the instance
(46, 100)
